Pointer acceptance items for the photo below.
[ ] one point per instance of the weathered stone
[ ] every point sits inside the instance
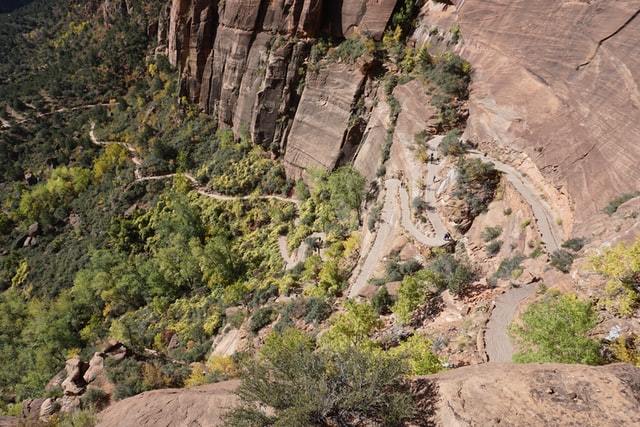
(74, 383)
(322, 118)
(96, 367)
(202, 406)
(240, 61)
(31, 409)
(48, 408)
(559, 80)
(69, 403)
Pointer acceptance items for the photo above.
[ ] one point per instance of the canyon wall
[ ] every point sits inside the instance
(558, 80)
(244, 62)
(555, 83)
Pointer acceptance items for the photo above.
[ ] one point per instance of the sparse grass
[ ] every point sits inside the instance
(525, 224)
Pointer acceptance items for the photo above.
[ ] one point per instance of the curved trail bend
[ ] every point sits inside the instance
(199, 188)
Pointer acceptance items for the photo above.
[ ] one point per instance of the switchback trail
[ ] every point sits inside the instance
(498, 344)
(550, 232)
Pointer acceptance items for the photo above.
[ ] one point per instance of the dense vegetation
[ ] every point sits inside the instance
(556, 329)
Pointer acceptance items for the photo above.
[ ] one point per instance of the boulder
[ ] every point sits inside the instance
(96, 367)
(48, 408)
(69, 403)
(74, 384)
(513, 394)
(31, 409)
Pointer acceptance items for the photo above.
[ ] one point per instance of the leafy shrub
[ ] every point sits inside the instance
(48, 202)
(414, 291)
(476, 184)
(627, 349)
(562, 260)
(95, 399)
(382, 301)
(452, 273)
(374, 216)
(493, 247)
(366, 385)
(556, 330)
(261, 318)
(351, 327)
(509, 266)
(613, 205)
(621, 265)
(417, 351)
(452, 145)
(490, 233)
(350, 50)
(127, 376)
(575, 244)
(396, 271)
(318, 310)
(82, 418)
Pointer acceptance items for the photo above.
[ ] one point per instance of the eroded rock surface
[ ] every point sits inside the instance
(199, 406)
(482, 395)
(559, 80)
(539, 395)
(243, 61)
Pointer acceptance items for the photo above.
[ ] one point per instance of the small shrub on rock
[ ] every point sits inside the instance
(261, 318)
(494, 247)
(562, 260)
(490, 233)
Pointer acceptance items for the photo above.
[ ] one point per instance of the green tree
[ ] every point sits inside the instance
(352, 327)
(556, 330)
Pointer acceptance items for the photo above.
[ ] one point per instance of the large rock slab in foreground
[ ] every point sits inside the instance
(480, 395)
(539, 395)
(199, 406)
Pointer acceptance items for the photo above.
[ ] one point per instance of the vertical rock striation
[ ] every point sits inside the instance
(244, 63)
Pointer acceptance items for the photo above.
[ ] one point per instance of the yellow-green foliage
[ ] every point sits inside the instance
(75, 29)
(21, 273)
(621, 264)
(627, 349)
(40, 203)
(417, 351)
(414, 291)
(556, 329)
(114, 156)
(353, 327)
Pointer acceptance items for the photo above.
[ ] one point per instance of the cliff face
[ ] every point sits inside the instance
(559, 81)
(555, 82)
(244, 61)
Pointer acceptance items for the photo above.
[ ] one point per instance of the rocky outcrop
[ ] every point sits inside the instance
(243, 62)
(559, 81)
(558, 395)
(73, 381)
(198, 406)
